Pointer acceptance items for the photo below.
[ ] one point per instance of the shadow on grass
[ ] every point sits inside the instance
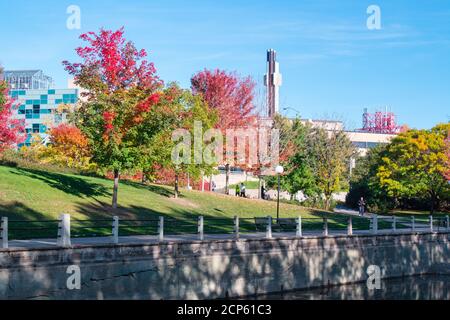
(160, 190)
(26, 223)
(68, 184)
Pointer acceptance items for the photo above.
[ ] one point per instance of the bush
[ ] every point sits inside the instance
(318, 203)
(25, 158)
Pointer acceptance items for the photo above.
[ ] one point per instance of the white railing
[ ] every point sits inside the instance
(295, 227)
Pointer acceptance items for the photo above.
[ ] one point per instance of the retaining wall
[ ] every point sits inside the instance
(215, 269)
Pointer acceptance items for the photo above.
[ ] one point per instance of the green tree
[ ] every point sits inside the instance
(364, 183)
(295, 158)
(187, 109)
(414, 165)
(331, 152)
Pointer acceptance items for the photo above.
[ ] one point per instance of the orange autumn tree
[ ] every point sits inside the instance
(69, 147)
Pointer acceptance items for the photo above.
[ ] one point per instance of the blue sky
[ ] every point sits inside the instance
(332, 65)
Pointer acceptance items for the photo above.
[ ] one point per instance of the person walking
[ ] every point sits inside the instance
(242, 190)
(238, 190)
(362, 206)
(263, 193)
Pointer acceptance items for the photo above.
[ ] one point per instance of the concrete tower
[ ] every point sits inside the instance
(273, 81)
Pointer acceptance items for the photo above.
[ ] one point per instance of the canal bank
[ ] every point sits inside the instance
(419, 287)
(216, 269)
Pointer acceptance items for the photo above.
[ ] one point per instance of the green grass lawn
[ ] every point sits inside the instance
(40, 197)
(248, 185)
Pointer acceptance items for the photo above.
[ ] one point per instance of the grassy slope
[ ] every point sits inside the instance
(36, 195)
(33, 195)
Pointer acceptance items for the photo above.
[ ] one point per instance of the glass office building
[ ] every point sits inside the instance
(39, 109)
(28, 80)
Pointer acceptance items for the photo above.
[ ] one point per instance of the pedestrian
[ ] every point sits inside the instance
(263, 193)
(238, 190)
(242, 190)
(362, 205)
(213, 186)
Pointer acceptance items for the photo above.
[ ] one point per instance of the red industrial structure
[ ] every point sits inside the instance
(380, 122)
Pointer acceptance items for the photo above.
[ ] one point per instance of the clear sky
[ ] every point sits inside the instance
(332, 64)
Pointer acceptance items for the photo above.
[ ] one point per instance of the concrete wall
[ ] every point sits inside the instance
(198, 270)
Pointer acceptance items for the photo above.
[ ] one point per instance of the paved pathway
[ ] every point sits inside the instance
(51, 243)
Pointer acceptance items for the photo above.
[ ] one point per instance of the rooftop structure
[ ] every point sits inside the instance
(379, 122)
(28, 80)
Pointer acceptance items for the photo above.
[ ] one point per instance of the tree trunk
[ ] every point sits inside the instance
(176, 185)
(203, 183)
(227, 179)
(259, 187)
(327, 202)
(210, 183)
(116, 188)
(433, 200)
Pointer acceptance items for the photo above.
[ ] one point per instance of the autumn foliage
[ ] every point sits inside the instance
(68, 147)
(121, 114)
(110, 63)
(11, 130)
(231, 95)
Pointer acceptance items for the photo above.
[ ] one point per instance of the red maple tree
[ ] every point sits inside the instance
(111, 64)
(232, 97)
(118, 116)
(11, 130)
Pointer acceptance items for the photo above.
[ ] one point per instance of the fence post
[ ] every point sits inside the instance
(350, 226)
(269, 227)
(375, 224)
(299, 227)
(325, 227)
(64, 231)
(161, 229)
(448, 224)
(236, 227)
(394, 223)
(4, 232)
(413, 224)
(115, 229)
(200, 228)
(431, 223)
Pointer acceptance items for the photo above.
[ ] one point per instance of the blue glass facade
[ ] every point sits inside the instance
(38, 109)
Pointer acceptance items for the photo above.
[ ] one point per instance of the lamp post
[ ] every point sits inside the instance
(297, 113)
(279, 170)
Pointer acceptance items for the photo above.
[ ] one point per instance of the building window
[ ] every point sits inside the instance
(36, 128)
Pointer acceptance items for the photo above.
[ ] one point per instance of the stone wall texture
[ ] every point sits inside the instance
(217, 269)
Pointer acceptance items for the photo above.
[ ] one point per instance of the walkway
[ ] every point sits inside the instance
(51, 243)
